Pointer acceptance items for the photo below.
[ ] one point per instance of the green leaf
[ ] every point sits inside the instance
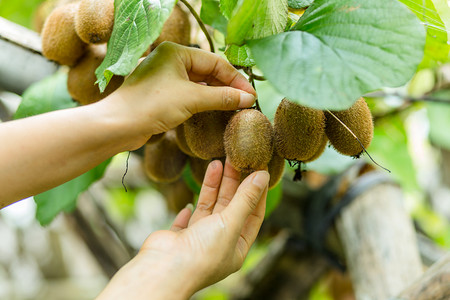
(46, 95)
(137, 24)
(270, 18)
(389, 148)
(241, 22)
(436, 47)
(210, 14)
(439, 117)
(64, 197)
(300, 3)
(239, 56)
(346, 48)
(257, 20)
(227, 7)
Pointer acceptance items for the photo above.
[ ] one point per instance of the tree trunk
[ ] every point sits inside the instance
(379, 243)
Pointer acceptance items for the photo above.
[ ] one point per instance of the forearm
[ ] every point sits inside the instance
(44, 151)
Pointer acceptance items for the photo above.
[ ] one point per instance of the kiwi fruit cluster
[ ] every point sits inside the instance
(75, 34)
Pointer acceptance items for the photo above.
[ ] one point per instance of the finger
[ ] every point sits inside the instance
(230, 183)
(218, 98)
(213, 69)
(182, 219)
(209, 191)
(252, 226)
(246, 200)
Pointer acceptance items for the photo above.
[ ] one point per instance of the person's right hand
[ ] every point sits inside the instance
(164, 90)
(201, 249)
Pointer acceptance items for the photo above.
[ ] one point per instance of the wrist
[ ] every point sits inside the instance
(117, 116)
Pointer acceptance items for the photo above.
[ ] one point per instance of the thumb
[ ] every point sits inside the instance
(246, 199)
(221, 98)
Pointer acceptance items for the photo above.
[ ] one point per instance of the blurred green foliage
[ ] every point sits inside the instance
(19, 11)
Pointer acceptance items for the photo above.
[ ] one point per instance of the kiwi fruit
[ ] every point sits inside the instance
(181, 140)
(248, 140)
(155, 138)
(177, 194)
(94, 20)
(177, 29)
(198, 169)
(298, 130)
(81, 80)
(276, 169)
(204, 133)
(319, 151)
(358, 119)
(60, 41)
(163, 161)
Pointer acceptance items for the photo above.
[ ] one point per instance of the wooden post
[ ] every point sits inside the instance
(21, 60)
(433, 285)
(379, 243)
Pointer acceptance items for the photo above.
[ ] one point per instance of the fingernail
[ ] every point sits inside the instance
(190, 206)
(246, 100)
(261, 179)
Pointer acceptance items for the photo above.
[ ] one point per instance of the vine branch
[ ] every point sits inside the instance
(201, 24)
(251, 79)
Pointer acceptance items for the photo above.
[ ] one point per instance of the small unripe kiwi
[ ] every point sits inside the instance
(198, 169)
(60, 41)
(276, 169)
(155, 138)
(319, 151)
(163, 160)
(81, 80)
(358, 119)
(177, 194)
(204, 133)
(181, 140)
(248, 140)
(298, 130)
(177, 29)
(94, 20)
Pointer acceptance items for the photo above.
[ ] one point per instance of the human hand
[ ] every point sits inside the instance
(164, 90)
(201, 249)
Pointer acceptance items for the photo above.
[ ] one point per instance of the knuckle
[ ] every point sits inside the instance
(251, 198)
(229, 100)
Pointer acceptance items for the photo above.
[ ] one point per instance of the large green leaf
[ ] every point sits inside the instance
(253, 20)
(210, 14)
(46, 95)
(137, 24)
(436, 48)
(345, 48)
(64, 197)
(227, 7)
(300, 3)
(439, 116)
(241, 22)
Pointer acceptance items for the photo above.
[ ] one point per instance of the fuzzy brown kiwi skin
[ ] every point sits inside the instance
(177, 29)
(163, 161)
(358, 119)
(60, 41)
(204, 133)
(198, 168)
(319, 151)
(276, 169)
(155, 138)
(81, 79)
(94, 20)
(248, 141)
(181, 141)
(177, 194)
(298, 130)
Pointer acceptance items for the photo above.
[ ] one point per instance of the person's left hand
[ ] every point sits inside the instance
(201, 249)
